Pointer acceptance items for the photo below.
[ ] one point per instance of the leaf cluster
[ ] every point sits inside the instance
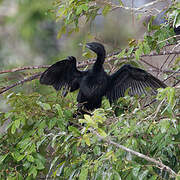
(43, 139)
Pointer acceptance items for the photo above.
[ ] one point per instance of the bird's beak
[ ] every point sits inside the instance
(88, 46)
(80, 44)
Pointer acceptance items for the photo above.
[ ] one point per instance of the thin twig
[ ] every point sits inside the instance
(177, 71)
(171, 60)
(175, 36)
(164, 71)
(165, 61)
(143, 8)
(159, 164)
(176, 83)
(154, 67)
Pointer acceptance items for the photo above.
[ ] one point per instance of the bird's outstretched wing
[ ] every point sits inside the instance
(63, 74)
(136, 79)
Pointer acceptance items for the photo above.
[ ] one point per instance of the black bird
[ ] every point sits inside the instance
(177, 30)
(95, 83)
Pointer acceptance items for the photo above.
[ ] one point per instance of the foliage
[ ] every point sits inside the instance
(43, 138)
(71, 12)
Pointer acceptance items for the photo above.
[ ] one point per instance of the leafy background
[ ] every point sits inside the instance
(41, 139)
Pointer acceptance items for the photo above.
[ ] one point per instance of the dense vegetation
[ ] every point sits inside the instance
(128, 140)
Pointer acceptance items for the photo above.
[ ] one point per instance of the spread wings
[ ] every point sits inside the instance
(137, 80)
(63, 74)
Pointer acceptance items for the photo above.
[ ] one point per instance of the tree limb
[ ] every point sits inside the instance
(159, 164)
(110, 57)
(20, 82)
(23, 68)
(141, 9)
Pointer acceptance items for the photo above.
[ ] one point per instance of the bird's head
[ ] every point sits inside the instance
(72, 59)
(97, 48)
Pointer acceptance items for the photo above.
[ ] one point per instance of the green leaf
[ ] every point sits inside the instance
(19, 176)
(2, 158)
(121, 3)
(61, 32)
(32, 171)
(146, 48)
(11, 178)
(7, 115)
(178, 176)
(17, 123)
(106, 9)
(164, 124)
(17, 156)
(97, 150)
(121, 54)
(143, 175)
(59, 109)
(26, 165)
(54, 161)
(101, 132)
(39, 164)
(139, 51)
(30, 158)
(74, 130)
(31, 148)
(52, 123)
(13, 128)
(24, 144)
(46, 106)
(83, 7)
(83, 174)
(87, 140)
(135, 171)
(130, 50)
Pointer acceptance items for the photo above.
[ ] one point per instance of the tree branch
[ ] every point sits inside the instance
(175, 36)
(20, 82)
(159, 164)
(142, 9)
(110, 57)
(23, 68)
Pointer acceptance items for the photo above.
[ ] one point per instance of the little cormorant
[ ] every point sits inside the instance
(95, 83)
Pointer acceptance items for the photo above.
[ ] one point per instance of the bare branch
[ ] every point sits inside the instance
(176, 83)
(110, 57)
(24, 68)
(20, 82)
(175, 36)
(142, 9)
(175, 72)
(159, 164)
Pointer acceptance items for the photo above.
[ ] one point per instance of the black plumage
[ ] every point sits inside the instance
(95, 83)
(177, 30)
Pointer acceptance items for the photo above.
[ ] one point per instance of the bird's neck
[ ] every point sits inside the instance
(99, 62)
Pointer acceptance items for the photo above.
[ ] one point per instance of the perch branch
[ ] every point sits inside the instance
(159, 164)
(110, 57)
